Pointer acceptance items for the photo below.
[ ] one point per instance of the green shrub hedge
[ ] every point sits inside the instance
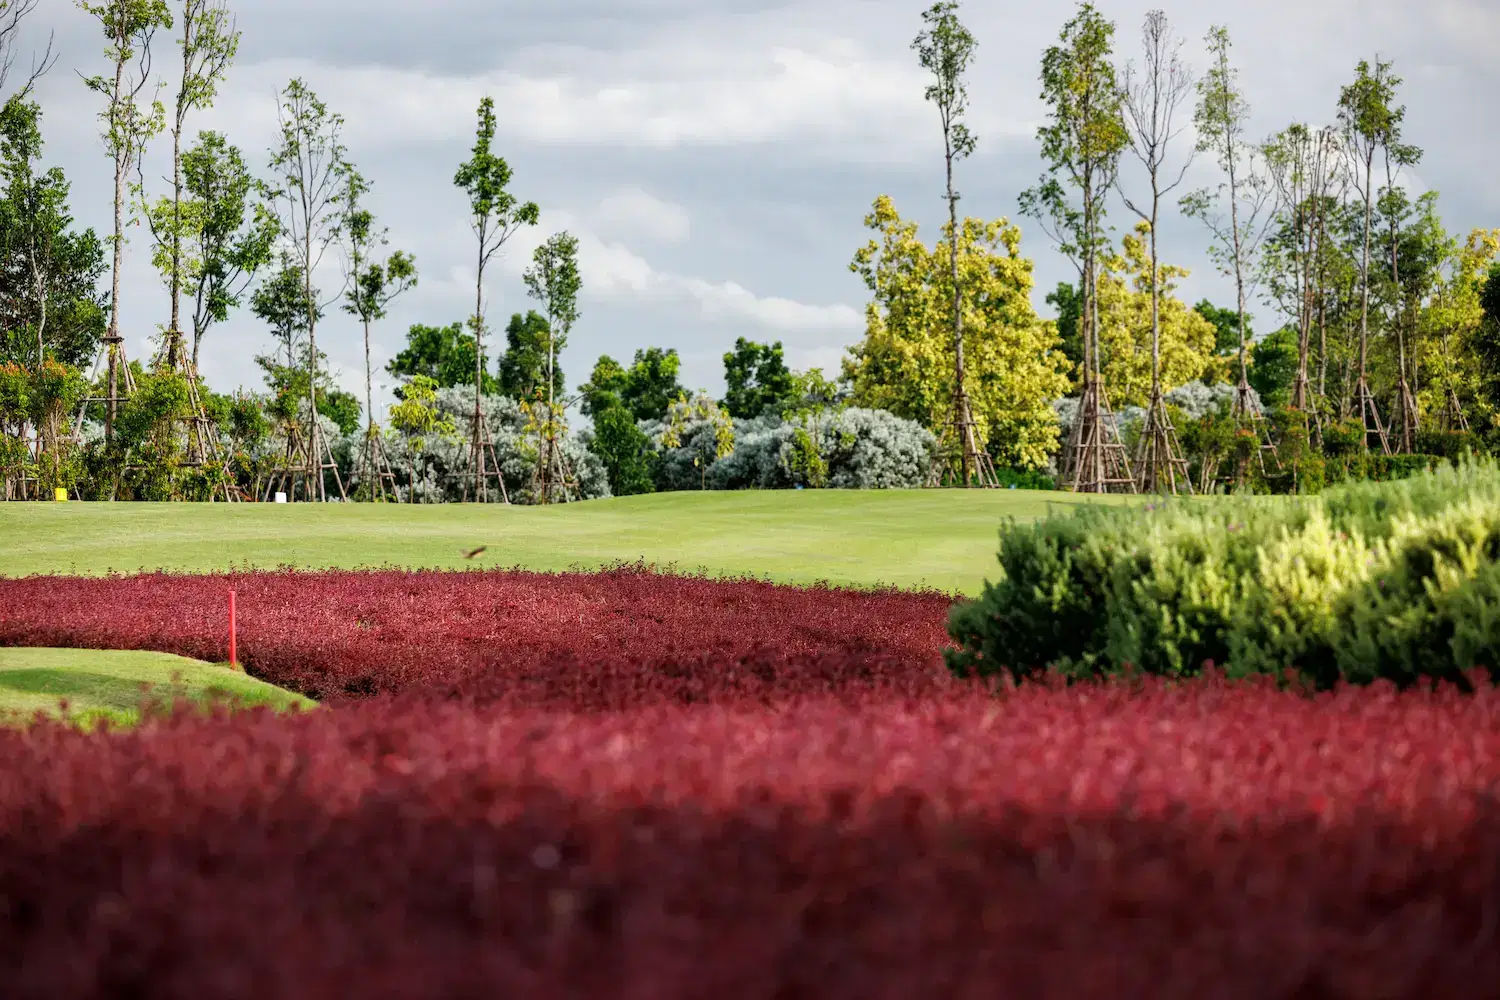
(1395, 580)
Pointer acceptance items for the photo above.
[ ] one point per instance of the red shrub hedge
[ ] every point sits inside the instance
(1200, 842)
(602, 640)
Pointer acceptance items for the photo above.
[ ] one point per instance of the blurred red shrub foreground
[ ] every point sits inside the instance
(725, 791)
(580, 641)
(1202, 842)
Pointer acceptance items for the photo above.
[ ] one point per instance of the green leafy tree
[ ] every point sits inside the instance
(523, 366)
(312, 176)
(1068, 302)
(553, 281)
(1226, 324)
(444, 354)
(625, 450)
(495, 214)
(49, 273)
(209, 42)
(605, 387)
(1081, 144)
(758, 379)
(212, 239)
(651, 384)
(342, 408)
(710, 447)
(417, 419)
(1275, 366)
(129, 123)
(282, 303)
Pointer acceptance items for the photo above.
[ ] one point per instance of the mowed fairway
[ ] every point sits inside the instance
(941, 539)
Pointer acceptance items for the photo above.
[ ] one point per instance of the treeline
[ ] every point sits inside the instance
(1384, 356)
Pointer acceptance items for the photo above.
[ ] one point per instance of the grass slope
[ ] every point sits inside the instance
(944, 539)
(112, 683)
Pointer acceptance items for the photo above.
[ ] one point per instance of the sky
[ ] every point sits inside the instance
(716, 158)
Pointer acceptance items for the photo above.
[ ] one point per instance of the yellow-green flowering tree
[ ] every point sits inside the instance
(1188, 339)
(905, 363)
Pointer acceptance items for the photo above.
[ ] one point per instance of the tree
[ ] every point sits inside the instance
(219, 251)
(130, 26)
(373, 284)
(605, 387)
(209, 42)
(1136, 363)
(1455, 317)
(624, 449)
(901, 364)
(417, 417)
(1369, 124)
(710, 447)
(444, 354)
(651, 383)
(49, 274)
(1221, 116)
(523, 367)
(282, 303)
(1276, 365)
(553, 281)
(1068, 302)
(1151, 102)
(945, 50)
(757, 378)
(1226, 323)
(312, 177)
(495, 215)
(1082, 143)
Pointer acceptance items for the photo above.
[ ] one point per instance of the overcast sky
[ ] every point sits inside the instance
(716, 158)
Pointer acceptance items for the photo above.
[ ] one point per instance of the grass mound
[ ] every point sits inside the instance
(112, 685)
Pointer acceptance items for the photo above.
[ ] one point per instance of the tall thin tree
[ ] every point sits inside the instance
(373, 284)
(312, 176)
(494, 215)
(129, 123)
(1399, 155)
(1082, 144)
(553, 280)
(1152, 96)
(945, 49)
(1369, 122)
(209, 41)
(1222, 115)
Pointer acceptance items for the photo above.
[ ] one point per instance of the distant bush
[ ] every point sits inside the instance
(1375, 580)
(844, 449)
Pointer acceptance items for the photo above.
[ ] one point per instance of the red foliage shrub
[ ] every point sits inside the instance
(1200, 842)
(603, 640)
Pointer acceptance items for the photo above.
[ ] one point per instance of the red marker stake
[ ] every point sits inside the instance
(234, 660)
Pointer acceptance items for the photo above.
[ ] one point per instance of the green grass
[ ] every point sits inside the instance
(945, 539)
(112, 684)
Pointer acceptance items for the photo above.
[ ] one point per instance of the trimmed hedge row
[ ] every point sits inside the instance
(1372, 580)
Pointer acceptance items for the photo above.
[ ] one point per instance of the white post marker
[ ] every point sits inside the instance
(280, 497)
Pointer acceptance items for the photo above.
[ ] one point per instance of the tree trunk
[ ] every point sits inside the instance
(122, 160)
(478, 449)
(960, 397)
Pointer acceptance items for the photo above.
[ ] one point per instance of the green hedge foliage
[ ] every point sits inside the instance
(1396, 581)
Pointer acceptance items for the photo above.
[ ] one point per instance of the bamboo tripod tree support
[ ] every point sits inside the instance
(300, 463)
(958, 460)
(375, 466)
(483, 463)
(1096, 460)
(1369, 415)
(202, 436)
(1158, 461)
(1244, 410)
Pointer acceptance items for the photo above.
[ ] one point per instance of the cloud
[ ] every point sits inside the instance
(636, 212)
